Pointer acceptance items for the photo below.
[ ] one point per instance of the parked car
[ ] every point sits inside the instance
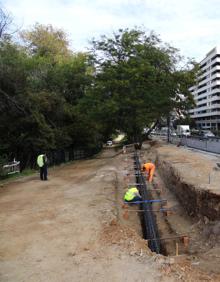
(109, 143)
(207, 133)
(173, 134)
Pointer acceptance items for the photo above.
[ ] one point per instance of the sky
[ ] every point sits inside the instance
(192, 26)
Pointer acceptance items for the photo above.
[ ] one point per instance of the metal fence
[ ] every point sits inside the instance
(208, 144)
(63, 156)
(54, 158)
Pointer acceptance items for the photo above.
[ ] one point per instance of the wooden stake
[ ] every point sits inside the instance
(177, 249)
(125, 215)
(186, 241)
(168, 212)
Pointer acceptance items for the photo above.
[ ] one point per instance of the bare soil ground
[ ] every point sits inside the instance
(71, 228)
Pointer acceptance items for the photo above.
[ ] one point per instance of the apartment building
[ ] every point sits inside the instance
(207, 92)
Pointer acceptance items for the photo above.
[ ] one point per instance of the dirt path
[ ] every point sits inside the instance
(71, 228)
(53, 231)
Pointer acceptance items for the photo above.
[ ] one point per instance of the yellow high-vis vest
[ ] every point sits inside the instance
(40, 160)
(130, 194)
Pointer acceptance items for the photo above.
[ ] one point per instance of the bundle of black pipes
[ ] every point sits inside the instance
(149, 225)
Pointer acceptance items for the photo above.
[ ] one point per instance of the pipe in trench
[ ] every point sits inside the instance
(149, 225)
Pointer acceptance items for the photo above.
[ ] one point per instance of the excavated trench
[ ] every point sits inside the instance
(195, 201)
(153, 210)
(190, 226)
(148, 221)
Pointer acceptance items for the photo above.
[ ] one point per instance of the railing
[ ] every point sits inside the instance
(12, 167)
(208, 144)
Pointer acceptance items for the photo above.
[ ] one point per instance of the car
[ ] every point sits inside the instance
(109, 143)
(207, 134)
(173, 134)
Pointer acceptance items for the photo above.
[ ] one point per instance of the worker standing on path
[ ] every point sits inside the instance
(132, 195)
(149, 168)
(42, 163)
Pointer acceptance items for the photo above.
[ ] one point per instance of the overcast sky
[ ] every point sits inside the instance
(193, 26)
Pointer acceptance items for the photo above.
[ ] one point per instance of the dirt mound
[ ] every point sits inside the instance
(184, 271)
(125, 237)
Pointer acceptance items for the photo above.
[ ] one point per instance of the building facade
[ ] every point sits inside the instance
(206, 92)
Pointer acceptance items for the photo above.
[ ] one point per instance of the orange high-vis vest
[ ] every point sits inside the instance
(149, 168)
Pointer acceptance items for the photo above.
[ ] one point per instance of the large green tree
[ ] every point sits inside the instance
(137, 81)
(40, 87)
(53, 99)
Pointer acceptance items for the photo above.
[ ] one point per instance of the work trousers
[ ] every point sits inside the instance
(135, 199)
(150, 174)
(43, 172)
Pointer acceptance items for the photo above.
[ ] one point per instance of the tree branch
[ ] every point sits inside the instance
(10, 99)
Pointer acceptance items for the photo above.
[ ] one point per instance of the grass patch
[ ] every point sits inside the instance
(9, 177)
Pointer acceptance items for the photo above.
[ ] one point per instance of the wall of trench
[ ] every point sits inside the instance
(197, 202)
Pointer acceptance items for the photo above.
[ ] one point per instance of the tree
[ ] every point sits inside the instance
(47, 41)
(52, 99)
(39, 94)
(21, 125)
(137, 81)
(5, 22)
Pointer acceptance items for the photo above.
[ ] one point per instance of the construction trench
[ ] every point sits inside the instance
(177, 217)
(74, 226)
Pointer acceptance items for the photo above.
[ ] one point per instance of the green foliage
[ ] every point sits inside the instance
(39, 95)
(46, 41)
(137, 82)
(3, 161)
(6, 178)
(53, 99)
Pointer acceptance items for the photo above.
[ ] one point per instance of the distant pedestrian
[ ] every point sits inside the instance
(42, 163)
(149, 168)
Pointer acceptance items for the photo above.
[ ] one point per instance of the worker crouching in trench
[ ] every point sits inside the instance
(149, 168)
(132, 195)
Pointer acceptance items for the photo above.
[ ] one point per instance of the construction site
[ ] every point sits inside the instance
(77, 227)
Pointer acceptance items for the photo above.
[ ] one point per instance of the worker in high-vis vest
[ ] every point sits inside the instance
(132, 195)
(42, 163)
(149, 168)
